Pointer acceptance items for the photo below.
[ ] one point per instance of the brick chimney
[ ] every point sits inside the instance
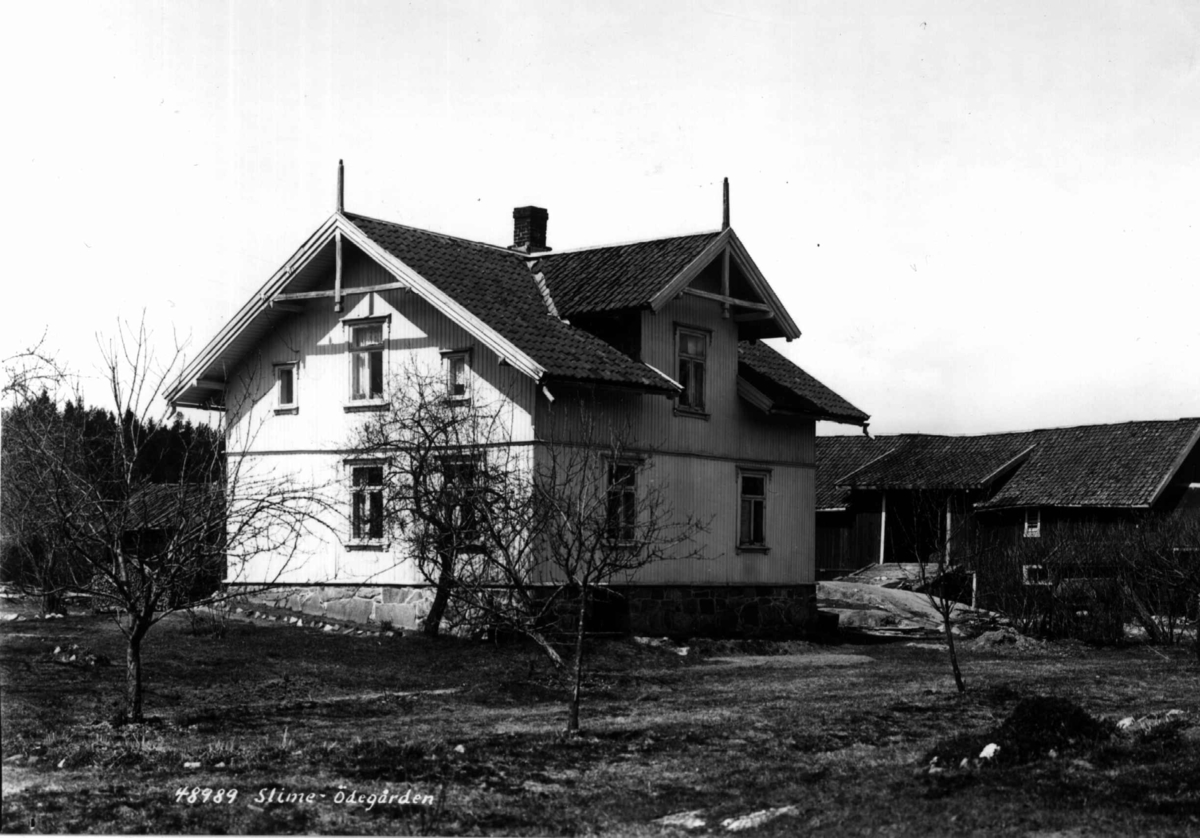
(529, 229)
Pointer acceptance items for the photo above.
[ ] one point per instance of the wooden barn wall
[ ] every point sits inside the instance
(848, 540)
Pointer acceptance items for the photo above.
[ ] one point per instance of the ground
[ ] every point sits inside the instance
(825, 739)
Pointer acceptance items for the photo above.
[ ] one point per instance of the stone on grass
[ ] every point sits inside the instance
(757, 819)
(684, 820)
(191, 765)
(989, 751)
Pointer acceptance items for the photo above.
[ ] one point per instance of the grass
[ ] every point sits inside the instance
(838, 738)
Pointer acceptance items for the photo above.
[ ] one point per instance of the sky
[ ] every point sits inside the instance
(982, 216)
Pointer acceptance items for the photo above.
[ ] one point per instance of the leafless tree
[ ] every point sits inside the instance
(140, 548)
(515, 535)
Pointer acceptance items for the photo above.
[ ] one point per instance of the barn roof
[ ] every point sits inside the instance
(1123, 465)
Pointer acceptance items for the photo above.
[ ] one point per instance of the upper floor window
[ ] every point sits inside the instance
(1033, 523)
(366, 361)
(752, 512)
(458, 375)
(286, 399)
(692, 351)
(621, 520)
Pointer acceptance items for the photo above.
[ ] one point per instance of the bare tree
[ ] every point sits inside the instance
(141, 548)
(935, 533)
(606, 515)
(514, 534)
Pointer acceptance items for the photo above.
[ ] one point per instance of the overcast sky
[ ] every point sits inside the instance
(981, 215)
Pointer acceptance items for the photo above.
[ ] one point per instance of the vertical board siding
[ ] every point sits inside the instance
(310, 446)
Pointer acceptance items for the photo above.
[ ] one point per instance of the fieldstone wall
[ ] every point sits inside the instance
(778, 611)
(723, 611)
(403, 607)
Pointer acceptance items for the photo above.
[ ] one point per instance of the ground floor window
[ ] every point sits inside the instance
(752, 511)
(621, 522)
(366, 514)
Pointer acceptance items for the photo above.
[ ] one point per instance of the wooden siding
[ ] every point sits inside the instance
(318, 343)
(848, 540)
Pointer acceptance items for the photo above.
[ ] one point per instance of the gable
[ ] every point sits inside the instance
(487, 291)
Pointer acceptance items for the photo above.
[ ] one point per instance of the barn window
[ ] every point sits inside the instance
(621, 520)
(286, 400)
(1034, 574)
(692, 350)
(752, 512)
(366, 504)
(1033, 523)
(366, 361)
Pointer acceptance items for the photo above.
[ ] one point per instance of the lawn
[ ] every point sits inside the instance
(397, 734)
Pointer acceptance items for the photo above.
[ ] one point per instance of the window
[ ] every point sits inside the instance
(285, 388)
(1033, 523)
(366, 361)
(458, 376)
(753, 512)
(692, 349)
(460, 496)
(366, 515)
(1034, 574)
(621, 520)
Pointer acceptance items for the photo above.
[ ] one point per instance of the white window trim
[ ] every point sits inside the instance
(765, 474)
(449, 356)
(706, 334)
(293, 406)
(635, 463)
(371, 403)
(350, 542)
(1034, 531)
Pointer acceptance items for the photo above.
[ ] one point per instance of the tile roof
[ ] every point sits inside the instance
(941, 462)
(840, 455)
(1098, 465)
(495, 285)
(619, 276)
(1104, 466)
(791, 387)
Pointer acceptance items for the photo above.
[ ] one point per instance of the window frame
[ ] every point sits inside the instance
(1030, 579)
(354, 539)
(449, 358)
(1034, 531)
(292, 368)
(705, 335)
(765, 475)
(474, 461)
(372, 400)
(621, 521)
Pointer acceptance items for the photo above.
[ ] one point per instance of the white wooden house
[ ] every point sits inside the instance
(665, 336)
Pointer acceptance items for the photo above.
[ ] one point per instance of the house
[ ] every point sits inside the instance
(892, 499)
(664, 336)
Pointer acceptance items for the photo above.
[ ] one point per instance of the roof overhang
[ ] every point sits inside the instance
(202, 381)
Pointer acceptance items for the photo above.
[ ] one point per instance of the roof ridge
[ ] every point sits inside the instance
(549, 254)
(447, 236)
(1029, 430)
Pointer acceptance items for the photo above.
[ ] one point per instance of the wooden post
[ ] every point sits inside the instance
(341, 196)
(882, 526)
(725, 281)
(725, 214)
(337, 271)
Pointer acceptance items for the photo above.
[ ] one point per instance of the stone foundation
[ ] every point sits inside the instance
(778, 611)
(402, 607)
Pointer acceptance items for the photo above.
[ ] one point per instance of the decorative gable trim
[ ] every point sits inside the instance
(271, 294)
(425, 289)
(728, 239)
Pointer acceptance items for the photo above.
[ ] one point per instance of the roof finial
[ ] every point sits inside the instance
(725, 214)
(341, 198)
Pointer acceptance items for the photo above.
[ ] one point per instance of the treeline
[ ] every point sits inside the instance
(93, 444)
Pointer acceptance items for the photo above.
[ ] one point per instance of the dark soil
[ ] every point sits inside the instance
(843, 735)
